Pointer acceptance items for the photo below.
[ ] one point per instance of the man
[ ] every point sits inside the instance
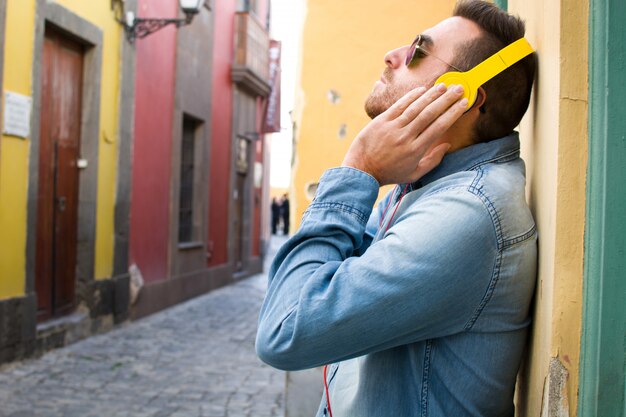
(423, 310)
(275, 215)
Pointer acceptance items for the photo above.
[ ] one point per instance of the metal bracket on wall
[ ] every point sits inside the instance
(138, 27)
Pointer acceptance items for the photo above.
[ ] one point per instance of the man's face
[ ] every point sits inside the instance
(441, 43)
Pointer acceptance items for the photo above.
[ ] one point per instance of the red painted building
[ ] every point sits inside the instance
(198, 191)
(154, 102)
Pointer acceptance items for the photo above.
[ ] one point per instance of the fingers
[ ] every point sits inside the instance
(430, 161)
(419, 104)
(431, 105)
(405, 101)
(397, 145)
(442, 123)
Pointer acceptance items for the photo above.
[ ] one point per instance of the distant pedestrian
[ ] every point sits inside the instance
(284, 214)
(275, 215)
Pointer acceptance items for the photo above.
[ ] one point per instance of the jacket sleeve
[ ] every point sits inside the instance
(427, 277)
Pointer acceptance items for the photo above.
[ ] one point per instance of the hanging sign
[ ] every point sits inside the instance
(272, 110)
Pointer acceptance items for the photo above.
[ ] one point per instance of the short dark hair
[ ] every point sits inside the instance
(508, 93)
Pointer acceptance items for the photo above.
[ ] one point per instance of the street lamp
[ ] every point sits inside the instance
(138, 27)
(191, 7)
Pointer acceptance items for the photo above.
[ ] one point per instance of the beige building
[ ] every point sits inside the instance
(574, 147)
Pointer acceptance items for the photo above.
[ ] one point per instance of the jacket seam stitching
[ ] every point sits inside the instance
(521, 238)
(426, 377)
(475, 189)
(353, 211)
(509, 156)
(495, 277)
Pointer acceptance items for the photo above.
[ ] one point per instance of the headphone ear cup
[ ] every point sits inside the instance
(459, 78)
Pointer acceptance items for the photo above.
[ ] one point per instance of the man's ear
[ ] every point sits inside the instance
(481, 97)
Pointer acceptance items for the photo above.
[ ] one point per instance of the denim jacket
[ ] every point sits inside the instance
(421, 305)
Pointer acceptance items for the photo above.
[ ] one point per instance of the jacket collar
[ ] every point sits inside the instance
(471, 157)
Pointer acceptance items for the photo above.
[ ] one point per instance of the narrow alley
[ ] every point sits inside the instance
(195, 359)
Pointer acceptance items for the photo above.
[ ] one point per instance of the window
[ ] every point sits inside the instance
(188, 174)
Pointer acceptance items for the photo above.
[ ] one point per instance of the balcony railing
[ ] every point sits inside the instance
(251, 66)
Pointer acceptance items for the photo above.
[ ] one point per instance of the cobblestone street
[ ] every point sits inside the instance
(195, 359)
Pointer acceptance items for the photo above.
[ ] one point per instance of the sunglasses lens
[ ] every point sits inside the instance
(411, 53)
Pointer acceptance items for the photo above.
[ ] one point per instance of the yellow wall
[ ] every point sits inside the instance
(14, 152)
(18, 58)
(554, 143)
(344, 43)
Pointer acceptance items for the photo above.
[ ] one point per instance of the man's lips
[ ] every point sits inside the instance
(385, 77)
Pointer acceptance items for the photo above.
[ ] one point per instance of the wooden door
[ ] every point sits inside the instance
(239, 230)
(59, 150)
(238, 219)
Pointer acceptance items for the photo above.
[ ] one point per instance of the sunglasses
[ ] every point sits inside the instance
(416, 51)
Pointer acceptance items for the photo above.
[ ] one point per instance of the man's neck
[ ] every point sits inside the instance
(457, 140)
(461, 134)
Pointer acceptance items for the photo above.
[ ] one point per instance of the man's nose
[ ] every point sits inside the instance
(395, 58)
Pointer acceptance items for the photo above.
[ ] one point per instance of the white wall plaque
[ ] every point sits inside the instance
(17, 110)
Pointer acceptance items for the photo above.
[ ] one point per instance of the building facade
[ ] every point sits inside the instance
(199, 152)
(575, 152)
(131, 170)
(63, 127)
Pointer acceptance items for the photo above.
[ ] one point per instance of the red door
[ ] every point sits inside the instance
(59, 150)
(238, 232)
(239, 202)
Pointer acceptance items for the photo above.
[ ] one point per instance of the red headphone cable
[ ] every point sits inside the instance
(406, 187)
(327, 395)
(382, 217)
(330, 412)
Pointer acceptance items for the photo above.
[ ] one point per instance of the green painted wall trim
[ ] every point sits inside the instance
(603, 344)
(503, 4)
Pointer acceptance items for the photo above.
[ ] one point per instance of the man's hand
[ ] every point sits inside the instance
(397, 146)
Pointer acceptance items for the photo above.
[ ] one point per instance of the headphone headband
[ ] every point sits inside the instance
(486, 70)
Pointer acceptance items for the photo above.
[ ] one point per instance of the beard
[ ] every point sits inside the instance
(379, 101)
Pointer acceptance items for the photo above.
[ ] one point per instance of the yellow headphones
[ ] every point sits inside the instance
(486, 70)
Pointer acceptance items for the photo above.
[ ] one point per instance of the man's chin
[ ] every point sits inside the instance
(380, 100)
(372, 112)
(374, 106)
